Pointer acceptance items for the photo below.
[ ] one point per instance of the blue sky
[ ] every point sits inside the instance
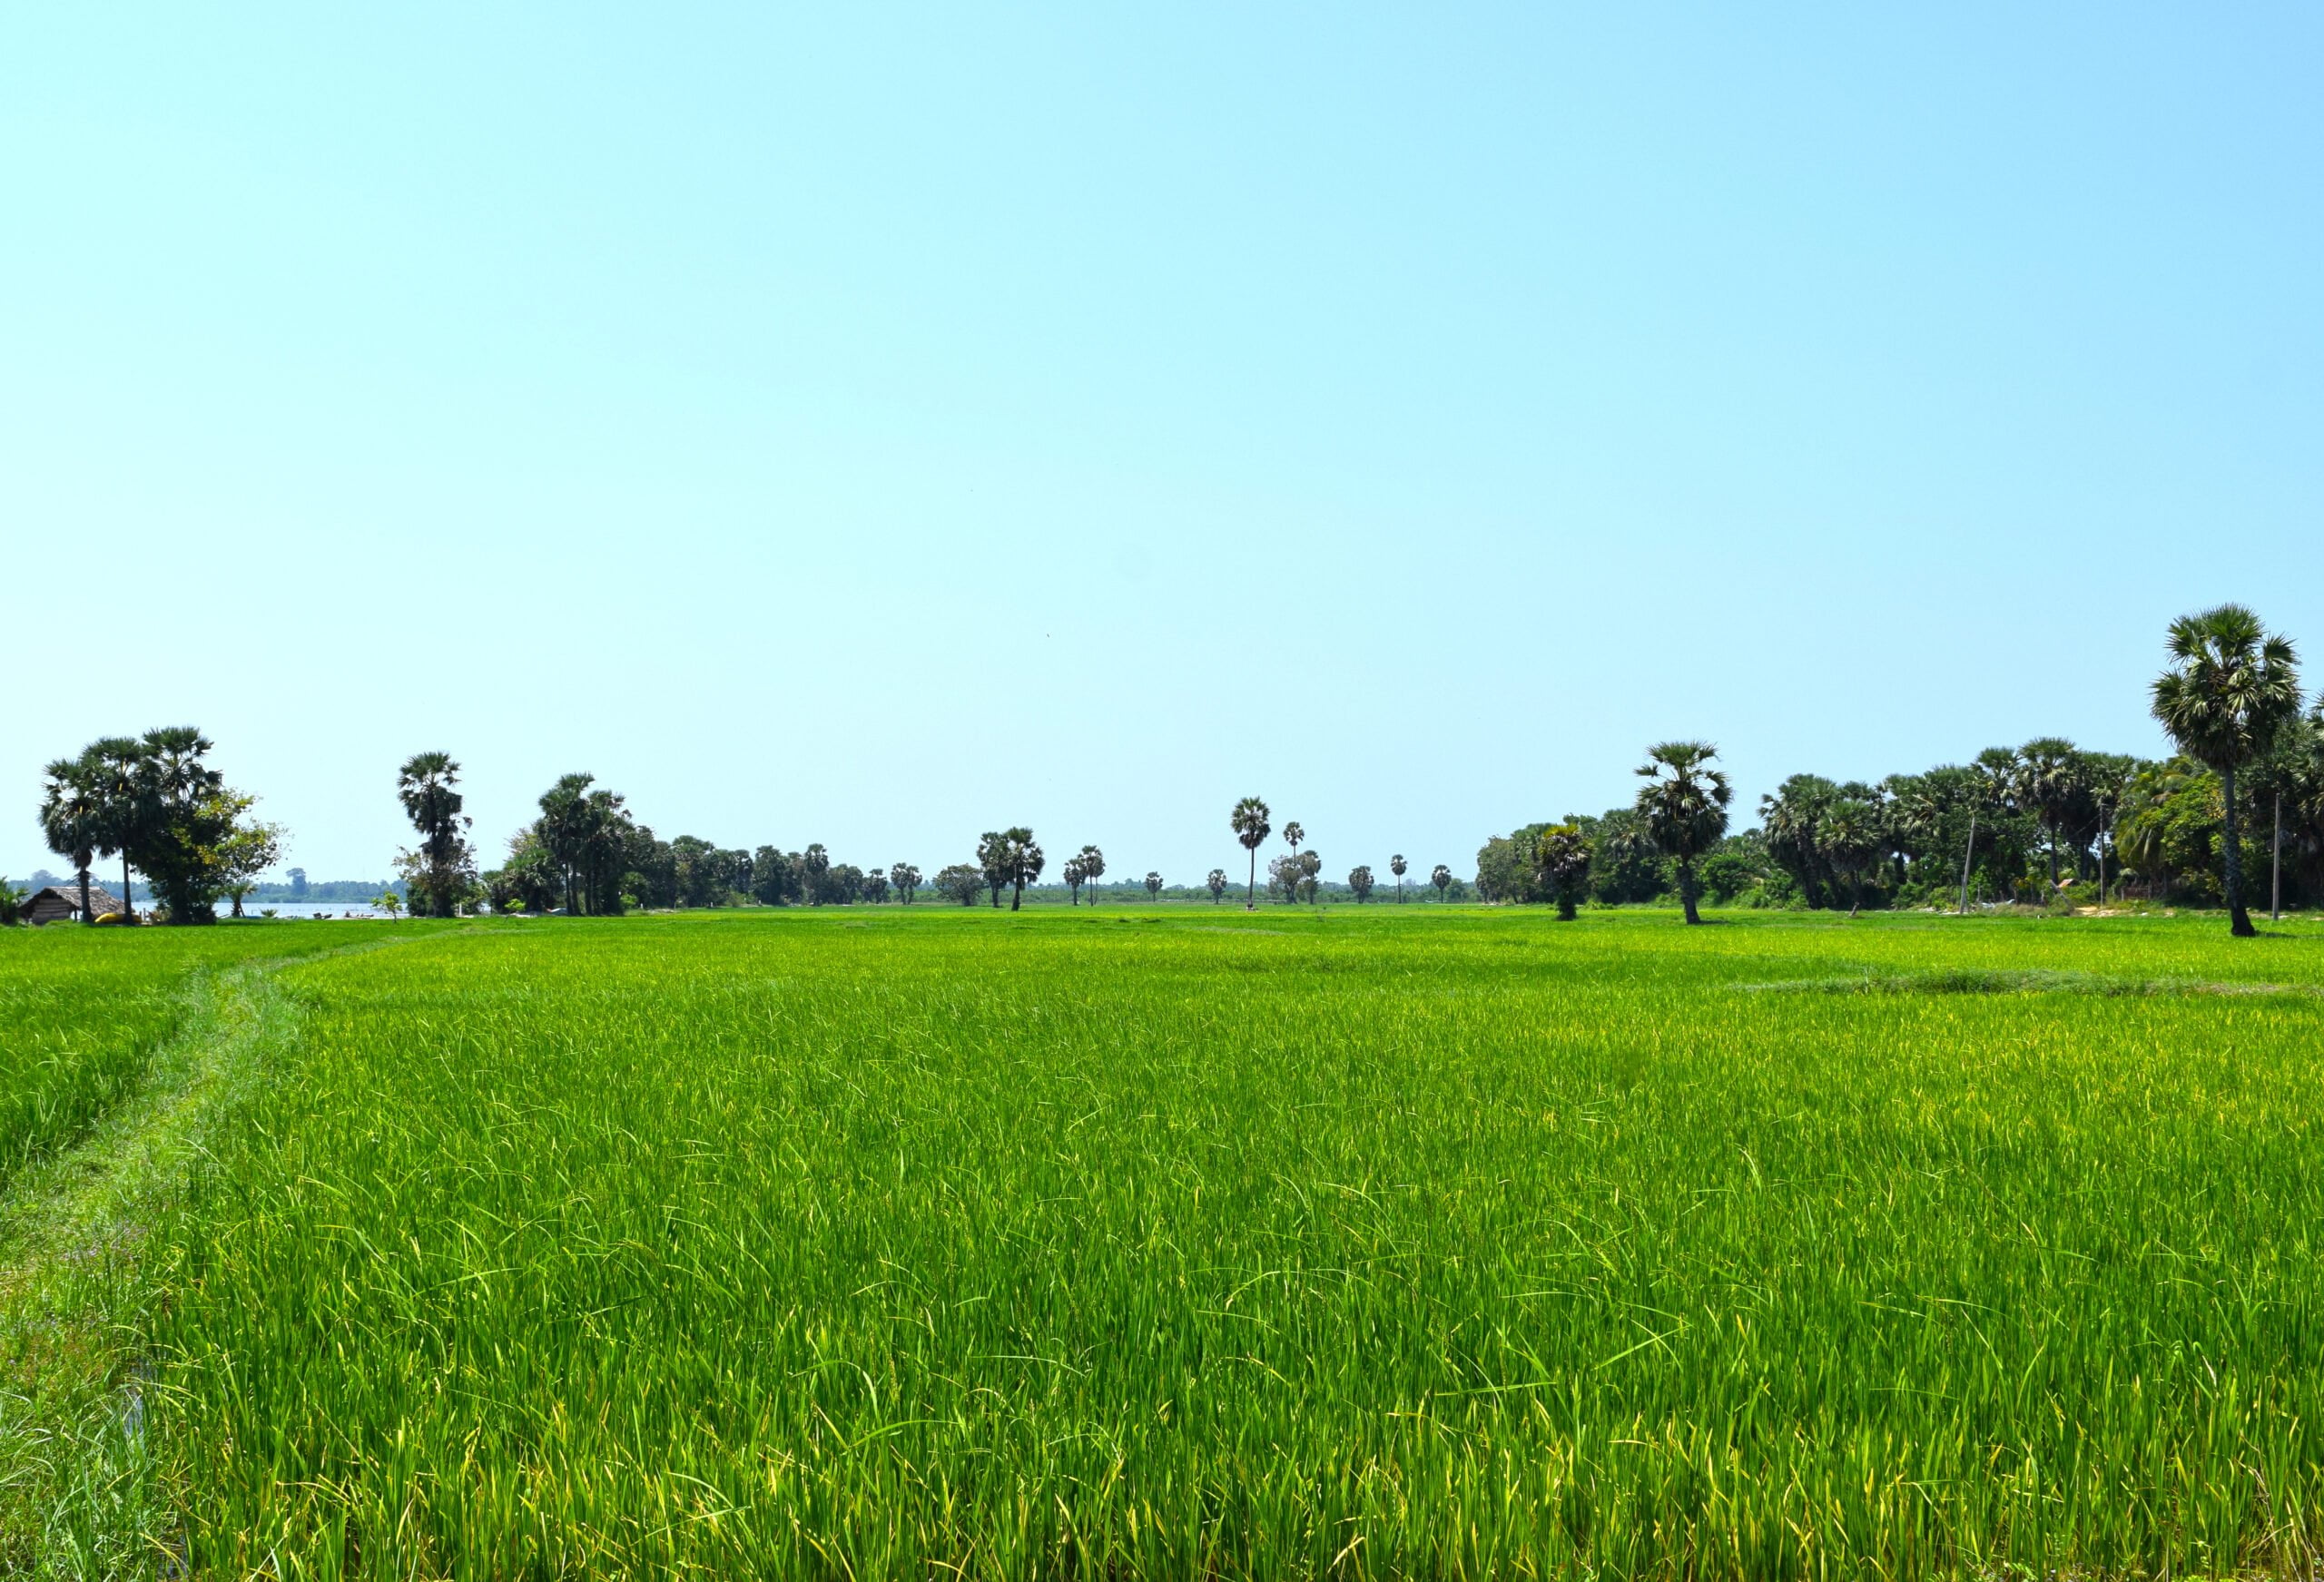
(876, 424)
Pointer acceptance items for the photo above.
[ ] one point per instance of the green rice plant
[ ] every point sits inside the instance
(81, 1011)
(1386, 1244)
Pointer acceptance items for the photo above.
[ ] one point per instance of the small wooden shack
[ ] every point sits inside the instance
(61, 903)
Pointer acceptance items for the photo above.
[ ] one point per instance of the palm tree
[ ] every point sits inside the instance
(1561, 857)
(428, 787)
(1359, 880)
(1851, 842)
(2048, 783)
(1309, 866)
(1396, 867)
(2231, 686)
(115, 769)
(1293, 834)
(1217, 883)
(563, 830)
(1441, 877)
(1249, 822)
(71, 817)
(1153, 886)
(1093, 869)
(1073, 877)
(1684, 805)
(1023, 861)
(1790, 817)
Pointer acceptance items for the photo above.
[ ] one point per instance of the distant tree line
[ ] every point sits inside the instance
(2046, 822)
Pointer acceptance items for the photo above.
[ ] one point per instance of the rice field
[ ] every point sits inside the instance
(78, 1023)
(1185, 1242)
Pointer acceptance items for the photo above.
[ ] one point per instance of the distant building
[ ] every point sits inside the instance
(61, 903)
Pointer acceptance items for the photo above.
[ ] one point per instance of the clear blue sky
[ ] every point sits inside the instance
(877, 424)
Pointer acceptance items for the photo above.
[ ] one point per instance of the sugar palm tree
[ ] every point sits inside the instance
(2049, 782)
(1561, 857)
(1852, 843)
(1153, 886)
(71, 819)
(1791, 816)
(1396, 866)
(1441, 877)
(1073, 877)
(1684, 804)
(428, 787)
(1093, 869)
(2231, 687)
(1249, 822)
(115, 767)
(1293, 834)
(1217, 883)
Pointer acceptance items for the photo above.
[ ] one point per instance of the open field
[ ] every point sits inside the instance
(1185, 1242)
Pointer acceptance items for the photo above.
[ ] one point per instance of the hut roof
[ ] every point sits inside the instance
(101, 899)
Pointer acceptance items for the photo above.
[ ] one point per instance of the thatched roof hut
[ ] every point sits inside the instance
(61, 903)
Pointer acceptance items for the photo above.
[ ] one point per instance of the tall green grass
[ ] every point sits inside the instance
(1401, 1242)
(81, 1011)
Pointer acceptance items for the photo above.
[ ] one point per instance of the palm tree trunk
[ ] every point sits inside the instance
(2239, 921)
(1251, 884)
(85, 895)
(2276, 875)
(1687, 890)
(1968, 854)
(128, 906)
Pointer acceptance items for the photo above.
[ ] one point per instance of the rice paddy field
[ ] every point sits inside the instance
(1178, 1241)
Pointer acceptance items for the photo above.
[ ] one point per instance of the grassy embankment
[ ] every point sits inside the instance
(1391, 1240)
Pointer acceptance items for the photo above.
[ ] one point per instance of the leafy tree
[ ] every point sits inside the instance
(775, 878)
(248, 849)
(2232, 686)
(1282, 878)
(1153, 886)
(1249, 822)
(1561, 857)
(529, 881)
(1684, 805)
(1396, 866)
(906, 879)
(1441, 877)
(1359, 880)
(1216, 880)
(178, 820)
(1093, 869)
(297, 884)
(1625, 865)
(390, 903)
(428, 787)
(72, 819)
(12, 905)
(961, 881)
